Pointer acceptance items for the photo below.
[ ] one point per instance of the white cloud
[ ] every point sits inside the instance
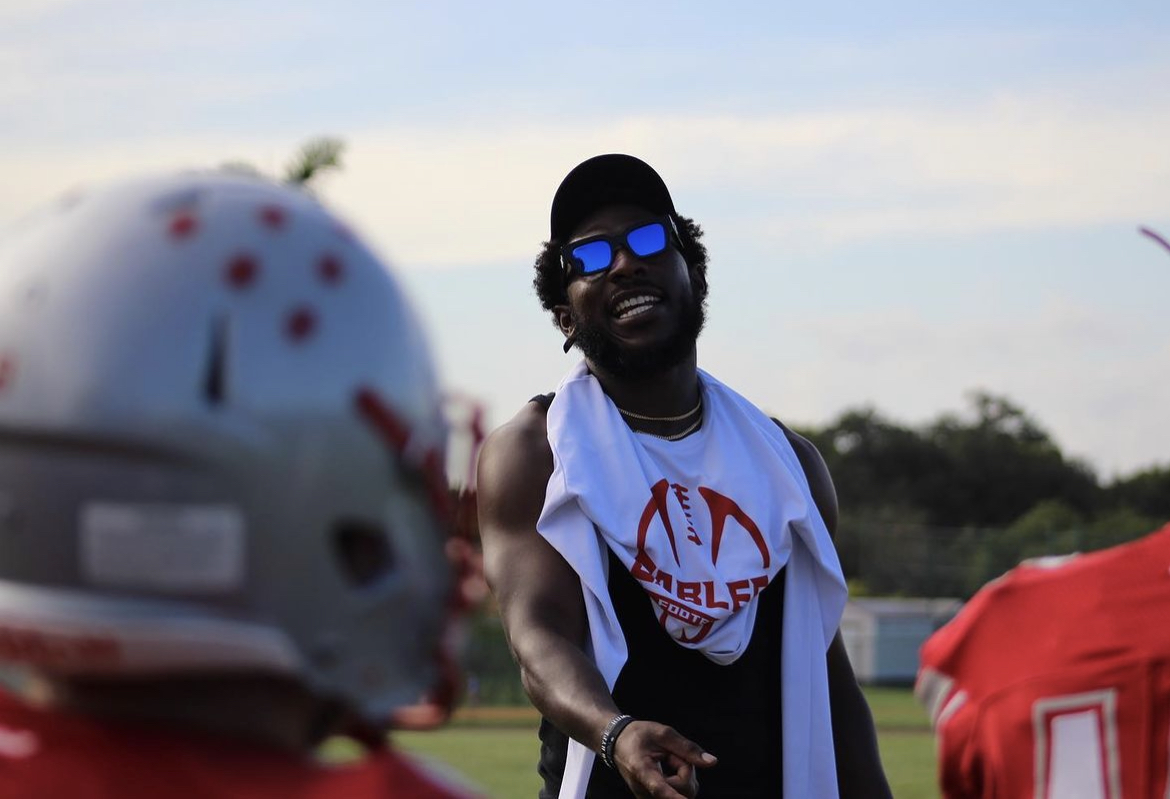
(466, 196)
(1069, 141)
(1099, 384)
(1008, 165)
(34, 174)
(13, 10)
(447, 196)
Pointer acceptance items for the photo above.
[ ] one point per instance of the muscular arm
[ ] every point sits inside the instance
(543, 613)
(859, 765)
(538, 592)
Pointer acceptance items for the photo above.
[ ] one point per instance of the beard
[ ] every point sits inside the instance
(610, 356)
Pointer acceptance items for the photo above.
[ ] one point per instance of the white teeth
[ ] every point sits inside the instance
(641, 309)
(634, 306)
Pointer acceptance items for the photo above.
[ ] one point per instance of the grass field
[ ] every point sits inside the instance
(496, 748)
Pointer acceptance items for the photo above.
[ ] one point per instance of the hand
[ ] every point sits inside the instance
(658, 763)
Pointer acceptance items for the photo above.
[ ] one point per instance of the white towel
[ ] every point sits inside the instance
(704, 523)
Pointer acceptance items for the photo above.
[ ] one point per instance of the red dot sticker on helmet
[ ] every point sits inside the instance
(330, 269)
(272, 217)
(241, 271)
(183, 225)
(300, 324)
(7, 371)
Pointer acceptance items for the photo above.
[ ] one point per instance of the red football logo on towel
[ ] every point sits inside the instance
(687, 601)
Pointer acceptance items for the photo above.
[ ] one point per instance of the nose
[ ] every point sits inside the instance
(626, 264)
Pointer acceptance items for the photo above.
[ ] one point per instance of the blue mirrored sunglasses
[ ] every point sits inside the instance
(596, 253)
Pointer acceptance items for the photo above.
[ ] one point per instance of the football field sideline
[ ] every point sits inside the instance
(495, 748)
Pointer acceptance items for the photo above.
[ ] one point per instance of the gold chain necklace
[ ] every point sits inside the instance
(675, 436)
(679, 418)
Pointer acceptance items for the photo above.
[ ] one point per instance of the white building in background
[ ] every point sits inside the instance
(883, 635)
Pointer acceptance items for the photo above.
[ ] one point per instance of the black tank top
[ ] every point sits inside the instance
(732, 711)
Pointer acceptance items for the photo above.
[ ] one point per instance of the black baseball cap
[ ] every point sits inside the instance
(612, 179)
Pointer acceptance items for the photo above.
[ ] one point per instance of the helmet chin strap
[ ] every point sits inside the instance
(436, 707)
(396, 434)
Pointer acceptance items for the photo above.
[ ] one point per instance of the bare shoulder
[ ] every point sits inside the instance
(816, 471)
(534, 585)
(527, 431)
(514, 466)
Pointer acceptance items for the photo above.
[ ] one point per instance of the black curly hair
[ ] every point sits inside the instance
(549, 280)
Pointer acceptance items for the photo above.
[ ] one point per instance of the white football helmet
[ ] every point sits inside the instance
(220, 445)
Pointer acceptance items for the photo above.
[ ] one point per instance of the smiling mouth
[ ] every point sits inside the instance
(635, 306)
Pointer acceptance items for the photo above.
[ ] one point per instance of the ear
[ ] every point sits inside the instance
(564, 320)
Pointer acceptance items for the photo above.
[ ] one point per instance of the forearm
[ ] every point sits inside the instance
(540, 597)
(564, 685)
(859, 766)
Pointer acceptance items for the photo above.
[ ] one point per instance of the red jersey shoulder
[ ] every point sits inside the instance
(1018, 621)
(1053, 674)
(991, 634)
(47, 755)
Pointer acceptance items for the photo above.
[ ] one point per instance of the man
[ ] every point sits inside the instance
(1054, 680)
(221, 523)
(659, 548)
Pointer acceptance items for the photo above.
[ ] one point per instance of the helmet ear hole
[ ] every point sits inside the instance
(362, 550)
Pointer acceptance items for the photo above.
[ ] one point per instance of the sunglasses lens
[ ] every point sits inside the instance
(648, 239)
(594, 256)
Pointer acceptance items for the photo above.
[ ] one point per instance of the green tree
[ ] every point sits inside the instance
(1051, 527)
(999, 465)
(984, 470)
(877, 464)
(1116, 526)
(315, 156)
(1147, 492)
(940, 509)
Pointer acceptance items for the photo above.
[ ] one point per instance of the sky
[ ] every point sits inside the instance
(904, 202)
